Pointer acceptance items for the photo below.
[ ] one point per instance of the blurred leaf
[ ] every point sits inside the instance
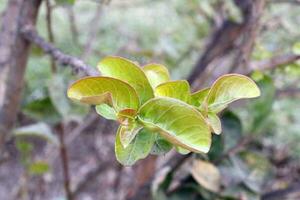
(296, 48)
(206, 174)
(42, 109)
(156, 74)
(177, 121)
(139, 148)
(40, 129)
(57, 91)
(175, 89)
(39, 168)
(65, 2)
(232, 130)
(161, 146)
(217, 147)
(106, 111)
(259, 170)
(261, 108)
(229, 88)
(98, 90)
(127, 71)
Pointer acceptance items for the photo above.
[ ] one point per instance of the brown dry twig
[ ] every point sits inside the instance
(30, 34)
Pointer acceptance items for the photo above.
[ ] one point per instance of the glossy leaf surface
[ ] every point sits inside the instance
(177, 121)
(229, 88)
(128, 71)
(139, 148)
(156, 74)
(99, 90)
(175, 89)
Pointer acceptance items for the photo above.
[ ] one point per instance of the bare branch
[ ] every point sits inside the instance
(273, 62)
(30, 34)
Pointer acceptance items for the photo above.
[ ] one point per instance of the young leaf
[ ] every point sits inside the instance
(177, 121)
(126, 116)
(161, 146)
(128, 133)
(139, 148)
(156, 74)
(99, 90)
(182, 150)
(175, 89)
(106, 111)
(129, 72)
(215, 123)
(198, 97)
(229, 88)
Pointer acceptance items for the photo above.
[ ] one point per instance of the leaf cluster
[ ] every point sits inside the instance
(156, 113)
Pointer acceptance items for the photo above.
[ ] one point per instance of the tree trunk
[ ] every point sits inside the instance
(14, 51)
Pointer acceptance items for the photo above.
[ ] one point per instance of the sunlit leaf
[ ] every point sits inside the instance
(40, 129)
(296, 48)
(198, 97)
(182, 150)
(139, 148)
(229, 88)
(175, 89)
(106, 111)
(161, 146)
(178, 122)
(129, 72)
(156, 74)
(99, 90)
(206, 174)
(215, 123)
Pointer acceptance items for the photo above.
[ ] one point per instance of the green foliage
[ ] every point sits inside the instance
(155, 113)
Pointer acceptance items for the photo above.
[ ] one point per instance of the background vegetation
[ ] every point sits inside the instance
(59, 150)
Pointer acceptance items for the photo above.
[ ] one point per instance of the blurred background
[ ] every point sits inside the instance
(57, 150)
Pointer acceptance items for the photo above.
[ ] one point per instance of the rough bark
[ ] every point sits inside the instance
(13, 58)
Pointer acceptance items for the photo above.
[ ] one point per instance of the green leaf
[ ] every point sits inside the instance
(161, 146)
(180, 123)
(156, 74)
(232, 130)
(198, 97)
(65, 2)
(175, 89)
(229, 88)
(38, 168)
(41, 130)
(182, 150)
(139, 148)
(106, 111)
(99, 90)
(128, 71)
(215, 123)
(57, 90)
(128, 133)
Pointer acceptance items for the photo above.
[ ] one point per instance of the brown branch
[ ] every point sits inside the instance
(65, 163)
(30, 34)
(274, 62)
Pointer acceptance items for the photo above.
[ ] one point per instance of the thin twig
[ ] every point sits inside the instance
(274, 62)
(73, 26)
(65, 164)
(30, 34)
